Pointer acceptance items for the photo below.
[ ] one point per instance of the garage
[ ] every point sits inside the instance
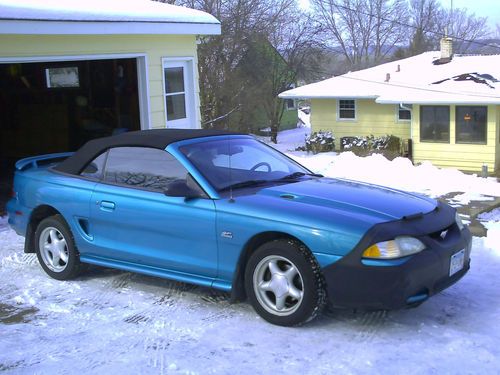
(73, 71)
(61, 105)
(56, 106)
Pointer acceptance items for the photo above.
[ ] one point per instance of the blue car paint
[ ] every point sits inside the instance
(129, 229)
(35, 160)
(165, 226)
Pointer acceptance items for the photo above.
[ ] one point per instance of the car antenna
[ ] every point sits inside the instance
(231, 199)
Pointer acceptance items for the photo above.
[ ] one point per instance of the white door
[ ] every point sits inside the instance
(179, 94)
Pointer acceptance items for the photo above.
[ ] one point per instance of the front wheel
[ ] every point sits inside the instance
(55, 249)
(284, 283)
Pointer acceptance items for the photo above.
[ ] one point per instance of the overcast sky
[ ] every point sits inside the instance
(482, 8)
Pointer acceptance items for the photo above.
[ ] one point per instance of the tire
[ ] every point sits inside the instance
(284, 283)
(55, 249)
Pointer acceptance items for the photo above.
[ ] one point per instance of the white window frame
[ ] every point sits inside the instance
(142, 75)
(292, 107)
(399, 108)
(355, 110)
(190, 92)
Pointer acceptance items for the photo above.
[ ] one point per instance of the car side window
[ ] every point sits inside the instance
(143, 167)
(95, 168)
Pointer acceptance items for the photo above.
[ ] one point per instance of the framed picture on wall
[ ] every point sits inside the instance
(62, 77)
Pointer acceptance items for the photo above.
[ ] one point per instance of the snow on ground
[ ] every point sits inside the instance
(399, 173)
(109, 321)
(491, 221)
(304, 115)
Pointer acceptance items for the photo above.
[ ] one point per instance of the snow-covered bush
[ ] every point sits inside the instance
(322, 141)
(388, 145)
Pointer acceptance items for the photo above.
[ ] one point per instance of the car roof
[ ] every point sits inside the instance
(156, 138)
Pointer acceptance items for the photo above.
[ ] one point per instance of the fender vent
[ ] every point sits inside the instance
(84, 226)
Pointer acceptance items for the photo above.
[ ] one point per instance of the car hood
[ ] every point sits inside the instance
(353, 196)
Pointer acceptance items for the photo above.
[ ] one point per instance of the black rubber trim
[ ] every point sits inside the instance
(352, 284)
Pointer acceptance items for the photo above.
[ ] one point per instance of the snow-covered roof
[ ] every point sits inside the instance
(103, 17)
(463, 80)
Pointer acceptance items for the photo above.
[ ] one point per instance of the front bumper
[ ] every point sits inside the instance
(408, 282)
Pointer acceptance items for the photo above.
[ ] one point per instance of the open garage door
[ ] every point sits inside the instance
(48, 107)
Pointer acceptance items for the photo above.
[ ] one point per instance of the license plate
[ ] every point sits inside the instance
(457, 262)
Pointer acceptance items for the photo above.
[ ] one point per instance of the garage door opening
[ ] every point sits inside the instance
(48, 107)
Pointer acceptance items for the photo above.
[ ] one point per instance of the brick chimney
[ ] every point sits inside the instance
(446, 48)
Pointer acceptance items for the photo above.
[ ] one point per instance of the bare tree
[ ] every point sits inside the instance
(464, 27)
(295, 54)
(424, 22)
(365, 32)
(221, 87)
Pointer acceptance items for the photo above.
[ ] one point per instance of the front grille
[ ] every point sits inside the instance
(443, 234)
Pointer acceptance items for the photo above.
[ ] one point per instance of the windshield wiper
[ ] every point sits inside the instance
(243, 184)
(295, 175)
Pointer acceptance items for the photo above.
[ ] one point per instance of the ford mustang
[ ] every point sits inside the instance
(224, 210)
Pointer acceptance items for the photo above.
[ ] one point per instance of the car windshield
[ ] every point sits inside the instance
(233, 163)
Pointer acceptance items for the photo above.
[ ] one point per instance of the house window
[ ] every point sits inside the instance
(435, 123)
(346, 109)
(290, 104)
(175, 94)
(404, 115)
(471, 124)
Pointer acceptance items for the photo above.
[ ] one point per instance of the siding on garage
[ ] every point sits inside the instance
(497, 166)
(467, 157)
(155, 47)
(371, 118)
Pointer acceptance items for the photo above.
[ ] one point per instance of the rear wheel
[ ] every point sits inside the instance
(284, 283)
(55, 249)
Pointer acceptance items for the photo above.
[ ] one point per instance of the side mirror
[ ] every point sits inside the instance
(180, 188)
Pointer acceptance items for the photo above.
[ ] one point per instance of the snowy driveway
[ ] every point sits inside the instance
(117, 322)
(112, 322)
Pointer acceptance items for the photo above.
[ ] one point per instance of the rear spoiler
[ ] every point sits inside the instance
(36, 161)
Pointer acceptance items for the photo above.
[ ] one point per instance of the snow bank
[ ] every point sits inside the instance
(491, 221)
(399, 173)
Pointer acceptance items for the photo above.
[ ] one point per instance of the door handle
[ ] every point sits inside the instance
(107, 206)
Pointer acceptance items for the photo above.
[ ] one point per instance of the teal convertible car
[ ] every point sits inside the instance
(224, 210)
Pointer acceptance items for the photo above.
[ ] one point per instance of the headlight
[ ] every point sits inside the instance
(459, 221)
(399, 247)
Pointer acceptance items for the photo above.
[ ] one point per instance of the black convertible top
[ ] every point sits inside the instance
(156, 138)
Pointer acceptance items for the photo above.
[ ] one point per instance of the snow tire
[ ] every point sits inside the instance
(59, 257)
(277, 296)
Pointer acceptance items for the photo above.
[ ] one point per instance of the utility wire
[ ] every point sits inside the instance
(419, 87)
(415, 27)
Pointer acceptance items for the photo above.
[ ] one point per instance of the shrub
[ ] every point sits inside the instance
(318, 142)
(388, 145)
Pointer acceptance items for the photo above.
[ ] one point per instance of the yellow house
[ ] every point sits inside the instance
(448, 105)
(74, 70)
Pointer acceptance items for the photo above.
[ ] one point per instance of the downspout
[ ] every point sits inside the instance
(401, 105)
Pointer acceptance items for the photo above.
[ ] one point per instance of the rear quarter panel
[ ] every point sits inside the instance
(70, 196)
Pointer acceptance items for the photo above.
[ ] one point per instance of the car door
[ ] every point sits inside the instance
(133, 221)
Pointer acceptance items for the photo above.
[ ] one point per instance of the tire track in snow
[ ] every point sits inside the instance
(371, 322)
(158, 325)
